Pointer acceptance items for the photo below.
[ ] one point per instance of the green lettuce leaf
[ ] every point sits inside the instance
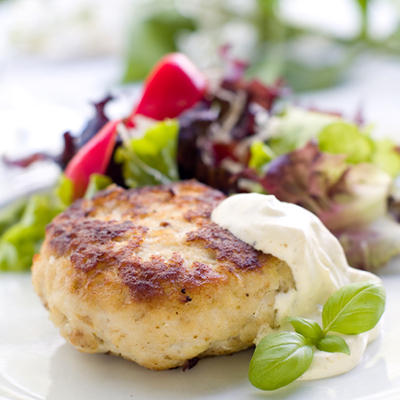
(260, 154)
(295, 127)
(386, 156)
(151, 159)
(11, 214)
(350, 199)
(64, 191)
(346, 138)
(97, 182)
(20, 241)
(24, 224)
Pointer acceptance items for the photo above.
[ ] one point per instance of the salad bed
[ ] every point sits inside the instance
(235, 135)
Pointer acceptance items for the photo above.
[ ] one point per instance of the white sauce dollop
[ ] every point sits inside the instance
(315, 256)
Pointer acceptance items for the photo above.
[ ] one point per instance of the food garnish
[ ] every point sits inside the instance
(281, 358)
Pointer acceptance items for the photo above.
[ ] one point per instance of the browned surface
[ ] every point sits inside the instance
(144, 273)
(98, 243)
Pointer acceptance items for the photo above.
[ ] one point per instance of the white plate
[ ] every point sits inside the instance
(36, 363)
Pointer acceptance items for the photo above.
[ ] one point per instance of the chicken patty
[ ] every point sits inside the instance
(145, 274)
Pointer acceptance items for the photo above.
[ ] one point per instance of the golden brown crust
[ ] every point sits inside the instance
(95, 243)
(146, 274)
(228, 248)
(157, 277)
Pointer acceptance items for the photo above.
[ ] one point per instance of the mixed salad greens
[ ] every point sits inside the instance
(233, 134)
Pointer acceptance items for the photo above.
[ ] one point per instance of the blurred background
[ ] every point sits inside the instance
(57, 56)
(310, 43)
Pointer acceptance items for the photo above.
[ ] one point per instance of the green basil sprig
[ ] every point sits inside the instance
(281, 358)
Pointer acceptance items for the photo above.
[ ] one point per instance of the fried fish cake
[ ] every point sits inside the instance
(145, 274)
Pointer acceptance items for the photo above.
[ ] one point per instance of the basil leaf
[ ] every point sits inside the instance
(354, 308)
(279, 359)
(306, 327)
(333, 344)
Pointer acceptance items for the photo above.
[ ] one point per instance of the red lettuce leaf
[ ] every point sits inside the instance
(306, 177)
(213, 135)
(351, 200)
(373, 245)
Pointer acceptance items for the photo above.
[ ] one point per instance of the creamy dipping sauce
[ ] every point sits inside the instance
(315, 256)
